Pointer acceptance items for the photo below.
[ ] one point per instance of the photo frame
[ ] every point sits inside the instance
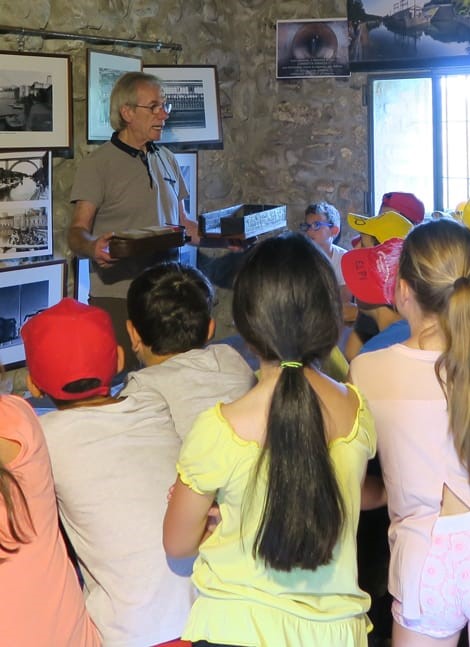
(81, 279)
(26, 290)
(193, 92)
(312, 48)
(26, 198)
(35, 101)
(103, 70)
(391, 35)
(188, 165)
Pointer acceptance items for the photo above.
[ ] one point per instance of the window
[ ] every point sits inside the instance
(419, 138)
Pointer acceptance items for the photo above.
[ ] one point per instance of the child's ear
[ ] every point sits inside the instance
(121, 360)
(211, 329)
(134, 336)
(32, 388)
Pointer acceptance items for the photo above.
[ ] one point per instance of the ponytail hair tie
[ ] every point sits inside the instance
(291, 364)
(462, 280)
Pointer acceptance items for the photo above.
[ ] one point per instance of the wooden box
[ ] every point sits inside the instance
(146, 241)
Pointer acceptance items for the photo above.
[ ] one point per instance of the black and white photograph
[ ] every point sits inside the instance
(194, 96)
(407, 33)
(312, 48)
(34, 101)
(25, 205)
(103, 70)
(26, 290)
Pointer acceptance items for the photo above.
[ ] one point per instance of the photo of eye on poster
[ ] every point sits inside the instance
(25, 204)
(312, 48)
(396, 34)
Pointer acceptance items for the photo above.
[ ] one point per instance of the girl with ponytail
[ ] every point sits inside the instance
(284, 464)
(418, 392)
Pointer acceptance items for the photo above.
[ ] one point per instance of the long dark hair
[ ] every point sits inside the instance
(287, 307)
(435, 262)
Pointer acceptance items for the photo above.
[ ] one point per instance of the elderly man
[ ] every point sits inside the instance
(128, 182)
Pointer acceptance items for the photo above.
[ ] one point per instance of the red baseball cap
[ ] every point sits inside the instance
(68, 342)
(405, 203)
(370, 273)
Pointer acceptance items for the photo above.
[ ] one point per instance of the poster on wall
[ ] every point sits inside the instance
(35, 101)
(25, 204)
(312, 48)
(398, 34)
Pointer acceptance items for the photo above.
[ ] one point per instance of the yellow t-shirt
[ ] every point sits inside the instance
(241, 601)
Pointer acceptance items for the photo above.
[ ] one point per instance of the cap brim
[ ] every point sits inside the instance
(370, 273)
(383, 227)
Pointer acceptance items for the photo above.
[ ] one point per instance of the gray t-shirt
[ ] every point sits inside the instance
(194, 381)
(128, 194)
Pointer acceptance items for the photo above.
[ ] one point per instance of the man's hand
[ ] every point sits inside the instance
(101, 251)
(192, 228)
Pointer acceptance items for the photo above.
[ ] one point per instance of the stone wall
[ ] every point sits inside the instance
(285, 141)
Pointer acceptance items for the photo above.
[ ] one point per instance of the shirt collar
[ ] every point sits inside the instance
(130, 150)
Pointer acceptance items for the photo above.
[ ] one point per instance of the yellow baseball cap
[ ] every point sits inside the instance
(384, 226)
(466, 214)
(458, 211)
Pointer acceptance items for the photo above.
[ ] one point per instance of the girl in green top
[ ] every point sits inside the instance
(285, 464)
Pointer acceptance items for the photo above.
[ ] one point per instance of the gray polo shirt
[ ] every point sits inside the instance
(129, 191)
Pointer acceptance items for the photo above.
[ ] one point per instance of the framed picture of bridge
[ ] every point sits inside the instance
(398, 34)
(26, 211)
(35, 101)
(193, 92)
(26, 290)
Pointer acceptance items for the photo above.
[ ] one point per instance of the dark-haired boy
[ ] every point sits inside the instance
(170, 323)
(113, 460)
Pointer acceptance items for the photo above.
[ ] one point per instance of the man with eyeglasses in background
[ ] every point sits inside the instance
(323, 225)
(130, 182)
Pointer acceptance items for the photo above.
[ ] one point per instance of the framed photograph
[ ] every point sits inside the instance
(35, 101)
(26, 290)
(399, 34)
(103, 70)
(194, 95)
(188, 166)
(81, 279)
(312, 48)
(26, 211)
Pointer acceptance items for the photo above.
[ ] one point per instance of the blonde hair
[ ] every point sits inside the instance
(124, 93)
(435, 262)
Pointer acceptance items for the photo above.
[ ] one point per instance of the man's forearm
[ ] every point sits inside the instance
(81, 241)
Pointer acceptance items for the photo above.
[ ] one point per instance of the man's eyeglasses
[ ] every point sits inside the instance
(155, 107)
(315, 226)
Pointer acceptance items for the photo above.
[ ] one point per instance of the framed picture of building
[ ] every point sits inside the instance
(35, 101)
(103, 70)
(400, 34)
(25, 204)
(26, 290)
(194, 95)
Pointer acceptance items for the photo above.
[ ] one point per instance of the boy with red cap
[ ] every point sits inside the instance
(113, 460)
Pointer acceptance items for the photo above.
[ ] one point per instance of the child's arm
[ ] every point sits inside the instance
(185, 524)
